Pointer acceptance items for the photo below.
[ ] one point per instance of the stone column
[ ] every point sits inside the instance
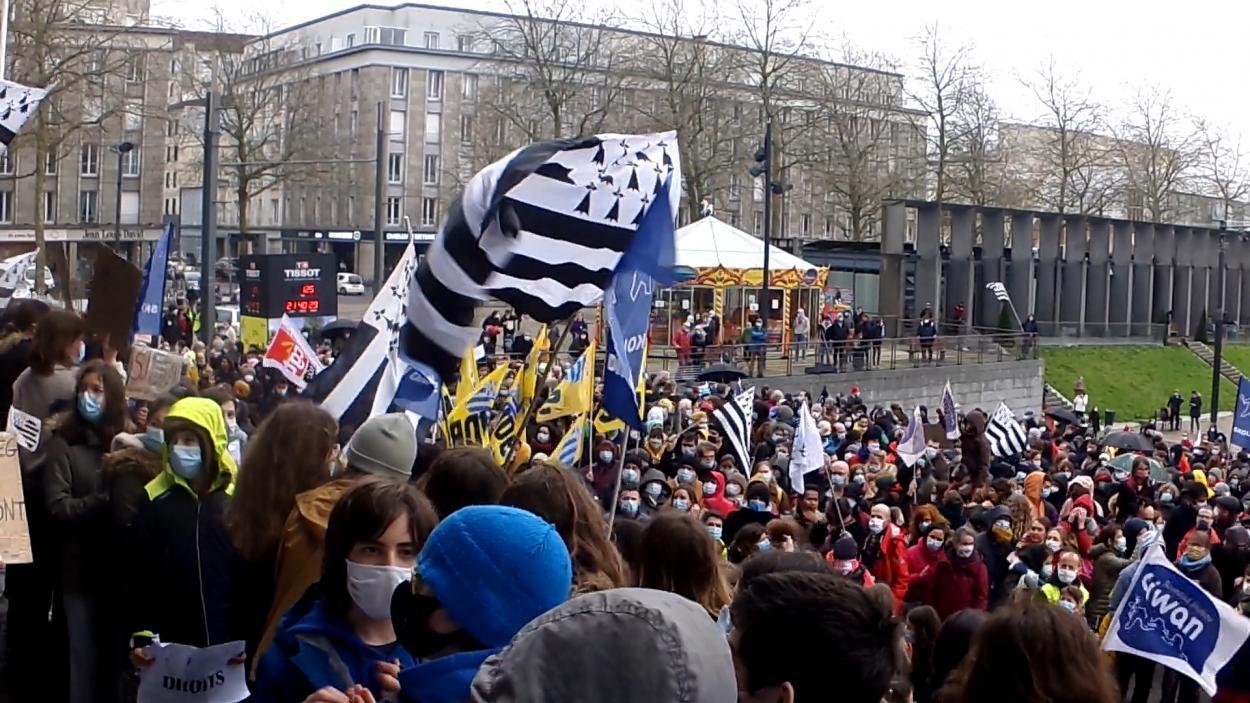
(928, 259)
(1206, 257)
(1072, 288)
(1182, 283)
(1047, 304)
(959, 272)
(1121, 297)
(1097, 278)
(893, 236)
(991, 270)
(1142, 302)
(1165, 278)
(1020, 269)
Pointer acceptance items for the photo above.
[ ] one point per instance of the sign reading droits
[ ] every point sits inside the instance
(14, 530)
(184, 674)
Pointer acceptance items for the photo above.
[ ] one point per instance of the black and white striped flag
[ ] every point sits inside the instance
(999, 290)
(542, 229)
(13, 276)
(734, 418)
(18, 104)
(1005, 435)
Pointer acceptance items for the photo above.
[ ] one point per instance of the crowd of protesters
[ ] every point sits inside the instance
(659, 567)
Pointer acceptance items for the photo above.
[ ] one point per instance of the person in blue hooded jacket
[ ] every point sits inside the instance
(339, 635)
(485, 572)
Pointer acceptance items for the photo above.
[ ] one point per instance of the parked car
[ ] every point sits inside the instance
(226, 268)
(350, 284)
(48, 282)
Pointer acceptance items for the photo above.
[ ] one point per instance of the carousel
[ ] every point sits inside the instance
(720, 268)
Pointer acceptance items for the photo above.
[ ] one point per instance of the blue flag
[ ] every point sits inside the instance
(627, 306)
(1241, 420)
(152, 292)
(1168, 618)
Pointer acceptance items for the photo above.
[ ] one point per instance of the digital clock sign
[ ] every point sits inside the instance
(296, 285)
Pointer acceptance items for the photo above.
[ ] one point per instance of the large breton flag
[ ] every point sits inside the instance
(18, 103)
(734, 417)
(543, 230)
(13, 276)
(365, 377)
(1005, 435)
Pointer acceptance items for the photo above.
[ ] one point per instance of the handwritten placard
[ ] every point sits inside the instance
(14, 530)
(152, 372)
(185, 674)
(26, 428)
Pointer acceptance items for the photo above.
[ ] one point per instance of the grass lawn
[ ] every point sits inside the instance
(1133, 381)
(1238, 355)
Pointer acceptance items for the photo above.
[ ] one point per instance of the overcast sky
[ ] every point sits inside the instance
(1194, 48)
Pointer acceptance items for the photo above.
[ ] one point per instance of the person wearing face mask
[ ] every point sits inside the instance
(484, 572)
(685, 501)
(181, 535)
(77, 504)
(544, 440)
(714, 494)
(844, 559)
(885, 553)
(1065, 574)
(995, 545)
(629, 504)
(757, 510)
(656, 492)
(1110, 554)
(957, 581)
(339, 636)
(134, 460)
(655, 445)
(927, 551)
(735, 489)
(1196, 564)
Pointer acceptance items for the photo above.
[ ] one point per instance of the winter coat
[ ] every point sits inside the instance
(920, 558)
(126, 473)
(1107, 568)
(952, 585)
(994, 555)
(181, 536)
(442, 680)
(314, 649)
(651, 506)
(14, 359)
(301, 550)
(717, 501)
(77, 504)
(891, 566)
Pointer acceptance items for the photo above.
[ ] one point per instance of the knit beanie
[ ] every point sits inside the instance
(844, 548)
(495, 568)
(385, 445)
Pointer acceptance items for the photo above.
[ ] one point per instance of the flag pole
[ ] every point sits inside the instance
(620, 470)
(540, 381)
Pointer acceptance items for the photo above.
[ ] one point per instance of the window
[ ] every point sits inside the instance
(395, 168)
(431, 40)
(355, 86)
(87, 211)
(758, 187)
(132, 116)
(7, 165)
(351, 40)
(391, 36)
(130, 163)
(129, 207)
(274, 207)
(89, 160)
(828, 228)
(429, 175)
(470, 86)
(134, 68)
(396, 129)
(433, 127)
(805, 226)
(51, 162)
(399, 82)
(49, 207)
(351, 209)
(758, 223)
(434, 85)
(355, 120)
(394, 210)
(429, 212)
(466, 129)
(6, 206)
(464, 43)
(735, 187)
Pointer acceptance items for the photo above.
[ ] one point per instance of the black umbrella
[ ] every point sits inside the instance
(1129, 441)
(1064, 415)
(338, 327)
(722, 373)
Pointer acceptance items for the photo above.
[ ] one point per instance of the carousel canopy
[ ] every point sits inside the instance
(709, 243)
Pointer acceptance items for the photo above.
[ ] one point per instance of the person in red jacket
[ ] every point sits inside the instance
(959, 581)
(927, 551)
(715, 497)
(885, 552)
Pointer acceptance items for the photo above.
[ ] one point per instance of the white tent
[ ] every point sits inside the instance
(709, 243)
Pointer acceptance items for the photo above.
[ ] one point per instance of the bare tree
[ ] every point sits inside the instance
(1221, 165)
(946, 77)
(64, 45)
(1156, 147)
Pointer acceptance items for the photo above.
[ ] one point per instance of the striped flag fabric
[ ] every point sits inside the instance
(735, 422)
(18, 103)
(542, 229)
(13, 276)
(570, 446)
(950, 416)
(1005, 435)
(999, 290)
(912, 444)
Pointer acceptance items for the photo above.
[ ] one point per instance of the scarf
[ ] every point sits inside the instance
(1190, 566)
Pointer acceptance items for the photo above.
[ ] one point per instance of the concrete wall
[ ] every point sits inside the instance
(1016, 383)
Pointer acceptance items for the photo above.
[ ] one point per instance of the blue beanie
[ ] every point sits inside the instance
(495, 568)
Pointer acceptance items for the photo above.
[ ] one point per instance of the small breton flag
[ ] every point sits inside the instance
(18, 103)
(1005, 435)
(735, 422)
(999, 290)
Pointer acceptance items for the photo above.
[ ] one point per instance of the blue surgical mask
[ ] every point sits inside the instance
(605, 457)
(681, 504)
(629, 476)
(765, 545)
(715, 531)
(629, 507)
(653, 489)
(186, 461)
(685, 476)
(859, 479)
(758, 506)
(838, 480)
(1047, 491)
(154, 439)
(91, 407)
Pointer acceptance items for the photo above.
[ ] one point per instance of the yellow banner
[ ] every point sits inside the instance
(575, 393)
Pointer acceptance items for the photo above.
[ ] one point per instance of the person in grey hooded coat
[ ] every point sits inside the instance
(604, 641)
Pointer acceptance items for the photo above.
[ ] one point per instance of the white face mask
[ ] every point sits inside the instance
(1053, 545)
(371, 587)
(964, 550)
(876, 525)
(1066, 576)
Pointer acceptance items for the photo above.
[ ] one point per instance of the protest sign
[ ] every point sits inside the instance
(111, 299)
(184, 674)
(152, 372)
(292, 355)
(14, 530)
(1240, 436)
(26, 428)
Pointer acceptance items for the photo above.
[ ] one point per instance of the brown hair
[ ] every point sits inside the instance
(925, 513)
(679, 557)
(363, 514)
(1033, 653)
(558, 496)
(745, 542)
(285, 457)
(463, 476)
(114, 417)
(52, 339)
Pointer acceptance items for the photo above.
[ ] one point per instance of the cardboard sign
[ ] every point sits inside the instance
(185, 674)
(112, 297)
(14, 530)
(26, 427)
(152, 372)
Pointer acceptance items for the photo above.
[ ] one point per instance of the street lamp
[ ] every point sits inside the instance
(121, 150)
(764, 168)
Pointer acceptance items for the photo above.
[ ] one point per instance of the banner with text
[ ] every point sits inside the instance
(14, 530)
(185, 674)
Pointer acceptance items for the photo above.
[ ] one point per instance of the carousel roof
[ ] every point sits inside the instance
(710, 243)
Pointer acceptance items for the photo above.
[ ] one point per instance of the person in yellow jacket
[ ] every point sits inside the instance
(1065, 575)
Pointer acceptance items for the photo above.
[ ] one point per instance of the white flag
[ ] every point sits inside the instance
(999, 290)
(1168, 618)
(18, 103)
(808, 453)
(292, 355)
(912, 445)
(950, 416)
